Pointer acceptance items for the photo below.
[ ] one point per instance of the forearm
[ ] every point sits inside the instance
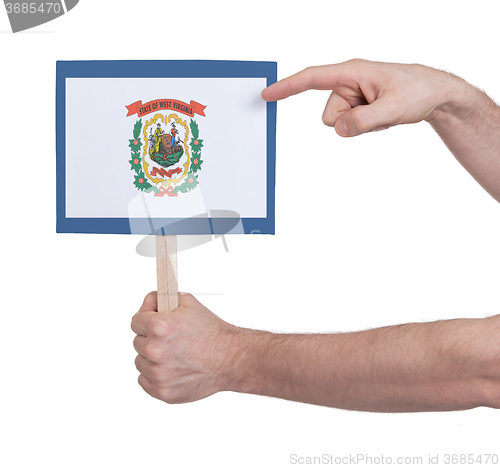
(469, 124)
(448, 365)
(374, 95)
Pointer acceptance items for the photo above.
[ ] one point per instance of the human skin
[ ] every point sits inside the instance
(369, 96)
(191, 353)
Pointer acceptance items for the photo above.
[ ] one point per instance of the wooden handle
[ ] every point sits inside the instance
(166, 273)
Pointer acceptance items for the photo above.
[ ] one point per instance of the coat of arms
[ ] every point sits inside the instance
(165, 148)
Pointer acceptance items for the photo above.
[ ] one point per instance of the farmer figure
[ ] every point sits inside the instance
(174, 132)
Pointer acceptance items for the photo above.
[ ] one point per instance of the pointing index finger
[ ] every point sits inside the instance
(320, 77)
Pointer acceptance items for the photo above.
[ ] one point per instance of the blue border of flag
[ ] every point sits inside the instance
(162, 69)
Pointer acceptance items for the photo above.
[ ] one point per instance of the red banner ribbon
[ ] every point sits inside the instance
(166, 104)
(168, 191)
(163, 173)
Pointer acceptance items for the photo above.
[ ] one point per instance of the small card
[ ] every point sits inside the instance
(165, 147)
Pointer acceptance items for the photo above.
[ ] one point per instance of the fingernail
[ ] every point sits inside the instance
(342, 128)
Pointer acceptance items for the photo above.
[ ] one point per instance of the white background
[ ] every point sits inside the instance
(390, 229)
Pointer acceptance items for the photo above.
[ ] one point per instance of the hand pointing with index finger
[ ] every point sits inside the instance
(368, 96)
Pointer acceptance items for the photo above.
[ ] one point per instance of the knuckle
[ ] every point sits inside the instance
(157, 374)
(150, 298)
(157, 326)
(327, 119)
(137, 362)
(151, 295)
(356, 61)
(152, 352)
(187, 299)
(188, 296)
(154, 390)
(135, 342)
(311, 76)
(358, 119)
(141, 380)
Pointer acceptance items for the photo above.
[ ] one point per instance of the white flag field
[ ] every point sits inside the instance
(165, 147)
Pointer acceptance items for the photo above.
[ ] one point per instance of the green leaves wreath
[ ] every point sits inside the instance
(190, 181)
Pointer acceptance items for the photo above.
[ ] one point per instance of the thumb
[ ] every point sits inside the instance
(365, 118)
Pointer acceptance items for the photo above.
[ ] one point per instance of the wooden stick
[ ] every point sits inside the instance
(166, 273)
